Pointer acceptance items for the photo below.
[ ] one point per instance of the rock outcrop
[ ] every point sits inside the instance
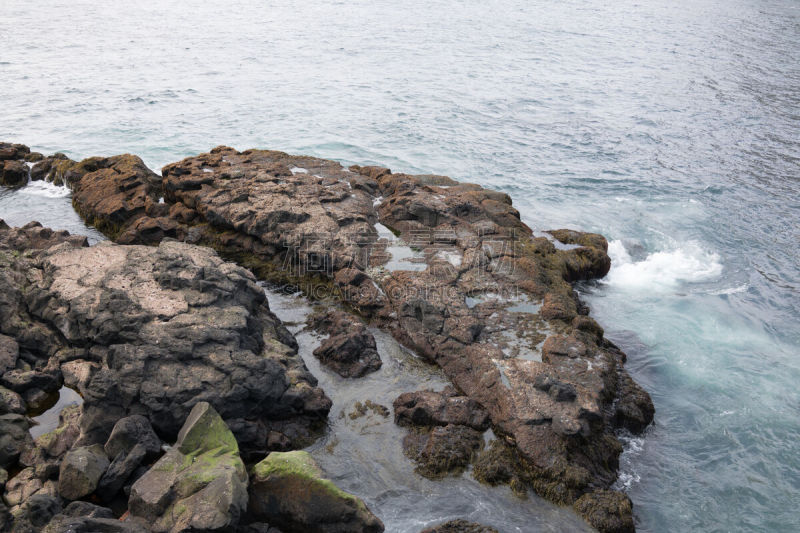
(448, 268)
(289, 491)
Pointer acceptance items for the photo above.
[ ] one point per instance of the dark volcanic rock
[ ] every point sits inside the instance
(164, 326)
(442, 450)
(350, 349)
(13, 174)
(429, 408)
(118, 472)
(460, 526)
(130, 432)
(288, 491)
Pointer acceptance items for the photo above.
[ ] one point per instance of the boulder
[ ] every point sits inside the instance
(350, 349)
(608, 511)
(288, 491)
(118, 472)
(130, 432)
(200, 484)
(14, 174)
(80, 471)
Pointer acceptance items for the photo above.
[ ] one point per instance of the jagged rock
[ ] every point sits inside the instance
(10, 151)
(118, 472)
(442, 450)
(131, 431)
(199, 485)
(635, 409)
(430, 408)
(14, 438)
(49, 448)
(3, 479)
(162, 328)
(287, 490)
(608, 511)
(460, 526)
(81, 470)
(350, 349)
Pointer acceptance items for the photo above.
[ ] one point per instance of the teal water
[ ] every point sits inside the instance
(670, 127)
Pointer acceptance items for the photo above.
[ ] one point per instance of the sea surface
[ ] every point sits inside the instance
(672, 127)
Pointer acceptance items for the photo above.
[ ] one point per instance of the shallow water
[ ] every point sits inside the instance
(670, 127)
(364, 455)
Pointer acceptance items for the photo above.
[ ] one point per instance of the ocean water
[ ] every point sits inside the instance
(672, 127)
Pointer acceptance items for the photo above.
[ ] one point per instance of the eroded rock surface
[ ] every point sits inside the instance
(350, 348)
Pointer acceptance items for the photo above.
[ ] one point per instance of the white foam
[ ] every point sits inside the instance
(298, 170)
(209, 170)
(377, 201)
(730, 290)
(45, 189)
(687, 263)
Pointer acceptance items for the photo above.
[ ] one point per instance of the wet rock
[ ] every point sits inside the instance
(80, 471)
(14, 438)
(429, 408)
(199, 485)
(350, 349)
(14, 174)
(443, 450)
(130, 432)
(635, 409)
(288, 491)
(497, 464)
(360, 409)
(460, 526)
(3, 479)
(11, 151)
(607, 511)
(118, 472)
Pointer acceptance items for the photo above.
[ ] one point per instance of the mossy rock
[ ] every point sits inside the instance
(288, 490)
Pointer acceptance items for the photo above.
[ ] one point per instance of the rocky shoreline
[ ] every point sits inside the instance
(159, 323)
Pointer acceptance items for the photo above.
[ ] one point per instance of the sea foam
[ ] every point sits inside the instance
(664, 270)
